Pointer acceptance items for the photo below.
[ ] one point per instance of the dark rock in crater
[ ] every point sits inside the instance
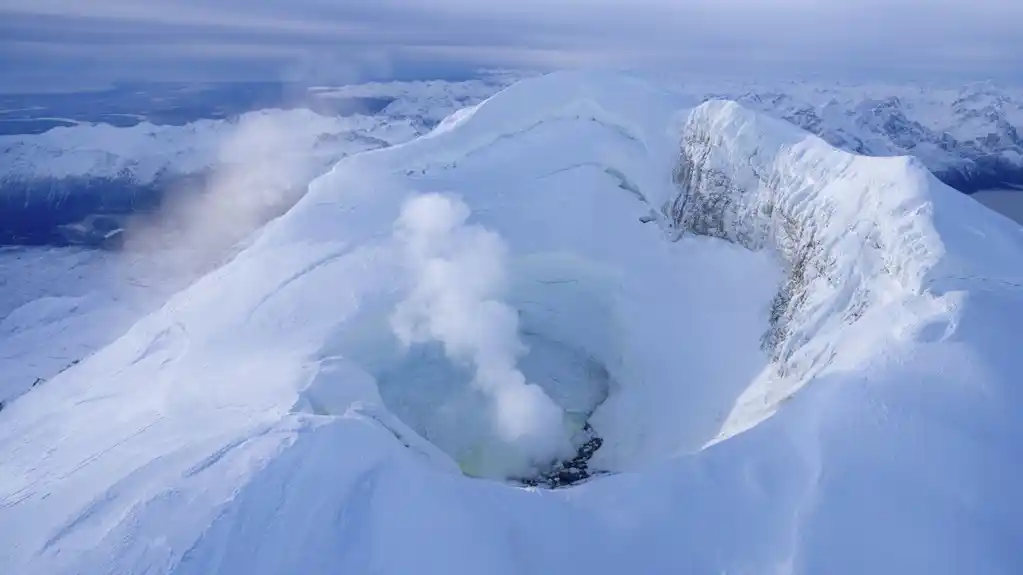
(571, 471)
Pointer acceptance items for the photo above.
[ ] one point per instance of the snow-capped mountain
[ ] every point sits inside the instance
(66, 174)
(795, 358)
(425, 102)
(969, 137)
(145, 151)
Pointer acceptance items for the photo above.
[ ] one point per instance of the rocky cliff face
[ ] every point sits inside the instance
(969, 139)
(854, 232)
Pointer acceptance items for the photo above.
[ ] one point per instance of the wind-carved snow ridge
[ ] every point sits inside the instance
(856, 234)
(458, 276)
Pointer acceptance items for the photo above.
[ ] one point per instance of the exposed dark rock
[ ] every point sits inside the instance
(572, 471)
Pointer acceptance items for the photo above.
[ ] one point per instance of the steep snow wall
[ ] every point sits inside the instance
(858, 234)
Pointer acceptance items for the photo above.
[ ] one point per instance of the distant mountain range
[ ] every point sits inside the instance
(970, 137)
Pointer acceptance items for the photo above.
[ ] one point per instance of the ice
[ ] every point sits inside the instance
(800, 360)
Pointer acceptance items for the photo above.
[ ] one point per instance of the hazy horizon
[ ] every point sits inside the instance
(61, 44)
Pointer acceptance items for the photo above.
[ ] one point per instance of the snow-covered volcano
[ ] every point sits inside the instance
(799, 360)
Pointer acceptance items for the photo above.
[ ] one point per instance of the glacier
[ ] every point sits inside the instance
(799, 360)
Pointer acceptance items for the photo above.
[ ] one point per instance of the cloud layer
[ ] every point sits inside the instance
(893, 38)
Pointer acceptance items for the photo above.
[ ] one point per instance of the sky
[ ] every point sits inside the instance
(79, 41)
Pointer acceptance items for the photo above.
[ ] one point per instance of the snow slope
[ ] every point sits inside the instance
(1005, 202)
(66, 175)
(147, 151)
(59, 305)
(969, 135)
(267, 157)
(803, 362)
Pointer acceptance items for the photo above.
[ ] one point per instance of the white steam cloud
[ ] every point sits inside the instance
(459, 276)
(262, 163)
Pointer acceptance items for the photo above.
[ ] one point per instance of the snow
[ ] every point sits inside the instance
(982, 120)
(874, 233)
(147, 150)
(58, 306)
(949, 128)
(803, 362)
(431, 101)
(1006, 202)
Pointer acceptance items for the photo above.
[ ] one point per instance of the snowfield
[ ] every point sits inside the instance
(968, 135)
(53, 185)
(147, 152)
(799, 360)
